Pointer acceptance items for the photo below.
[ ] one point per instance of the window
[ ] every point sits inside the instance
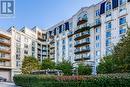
(97, 30)
(2, 55)
(70, 25)
(70, 32)
(97, 53)
(25, 52)
(77, 35)
(97, 37)
(122, 2)
(108, 42)
(79, 18)
(108, 34)
(122, 31)
(63, 41)
(70, 45)
(87, 39)
(70, 39)
(17, 56)
(122, 9)
(76, 42)
(108, 25)
(87, 47)
(85, 17)
(108, 6)
(17, 50)
(63, 48)
(98, 21)
(108, 14)
(108, 51)
(26, 46)
(18, 64)
(97, 45)
(122, 20)
(18, 37)
(97, 12)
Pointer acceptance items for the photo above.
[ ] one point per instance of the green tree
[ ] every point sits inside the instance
(29, 64)
(47, 64)
(65, 66)
(119, 60)
(107, 65)
(84, 69)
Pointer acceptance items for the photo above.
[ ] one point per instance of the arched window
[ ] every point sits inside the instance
(79, 18)
(108, 6)
(85, 17)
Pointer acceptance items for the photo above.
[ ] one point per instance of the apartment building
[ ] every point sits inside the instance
(62, 43)
(85, 37)
(5, 55)
(91, 33)
(15, 44)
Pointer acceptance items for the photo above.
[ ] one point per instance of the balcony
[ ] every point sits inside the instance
(52, 46)
(52, 41)
(4, 42)
(5, 65)
(82, 44)
(81, 22)
(4, 36)
(5, 59)
(5, 51)
(82, 58)
(82, 51)
(82, 29)
(70, 34)
(82, 36)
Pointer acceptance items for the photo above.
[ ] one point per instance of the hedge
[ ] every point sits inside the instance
(109, 80)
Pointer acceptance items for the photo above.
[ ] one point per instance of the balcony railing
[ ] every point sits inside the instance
(81, 22)
(5, 65)
(5, 59)
(70, 34)
(82, 29)
(7, 51)
(82, 58)
(82, 36)
(52, 41)
(5, 42)
(82, 51)
(82, 44)
(4, 36)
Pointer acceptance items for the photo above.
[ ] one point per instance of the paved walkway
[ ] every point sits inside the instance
(5, 84)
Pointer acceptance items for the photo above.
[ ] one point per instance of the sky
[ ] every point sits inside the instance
(43, 13)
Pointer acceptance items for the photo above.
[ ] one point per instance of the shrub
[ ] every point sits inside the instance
(102, 80)
(47, 64)
(65, 66)
(84, 69)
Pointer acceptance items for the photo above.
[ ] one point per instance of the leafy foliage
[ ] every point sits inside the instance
(47, 64)
(29, 64)
(65, 66)
(105, 80)
(119, 60)
(84, 69)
